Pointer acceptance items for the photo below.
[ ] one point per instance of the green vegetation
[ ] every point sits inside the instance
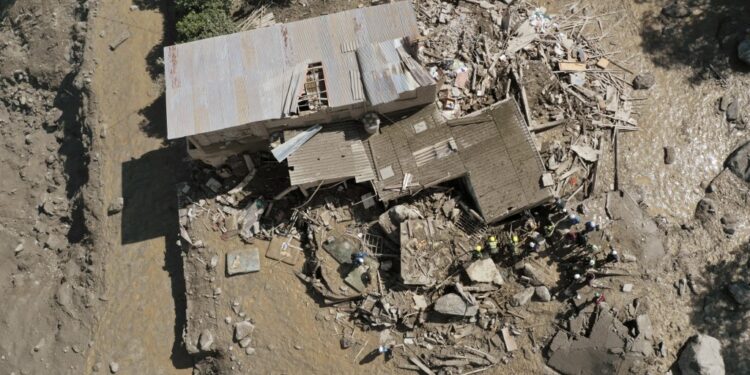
(200, 19)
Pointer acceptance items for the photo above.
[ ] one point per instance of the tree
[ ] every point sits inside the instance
(204, 24)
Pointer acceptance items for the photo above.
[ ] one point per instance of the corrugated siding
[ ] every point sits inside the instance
(233, 80)
(335, 153)
(495, 152)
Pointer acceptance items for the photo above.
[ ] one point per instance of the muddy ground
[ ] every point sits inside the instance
(83, 124)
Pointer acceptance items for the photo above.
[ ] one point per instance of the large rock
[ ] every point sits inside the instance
(484, 271)
(453, 304)
(739, 162)
(701, 356)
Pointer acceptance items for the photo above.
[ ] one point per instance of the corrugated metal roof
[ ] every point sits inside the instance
(385, 73)
(493, 150)
(236, 79)
(334, 153)
(504, 167)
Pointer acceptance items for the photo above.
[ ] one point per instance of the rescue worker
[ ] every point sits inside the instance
(614, 257)
(478, 251)
(359, 258)
(599, 298)
(591, 226)
(492, 245)
(573, 219)
(549, 230)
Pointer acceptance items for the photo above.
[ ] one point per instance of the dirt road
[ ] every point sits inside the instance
(139, 323)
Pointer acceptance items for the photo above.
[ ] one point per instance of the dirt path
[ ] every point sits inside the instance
(137, 326)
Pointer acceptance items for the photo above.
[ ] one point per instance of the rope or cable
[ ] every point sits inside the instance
(311, 196)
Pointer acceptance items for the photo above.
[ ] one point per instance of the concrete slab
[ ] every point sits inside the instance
(243, 261)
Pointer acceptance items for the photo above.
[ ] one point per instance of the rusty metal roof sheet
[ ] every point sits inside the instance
(236, 79)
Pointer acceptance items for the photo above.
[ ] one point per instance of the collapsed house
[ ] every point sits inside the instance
(228, 94)
(490, 151)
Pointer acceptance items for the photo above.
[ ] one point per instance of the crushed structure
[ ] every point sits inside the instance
(465, 157)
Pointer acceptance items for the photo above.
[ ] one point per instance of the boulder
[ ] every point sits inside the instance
(701, 356)
(453, 304)
(484, 271)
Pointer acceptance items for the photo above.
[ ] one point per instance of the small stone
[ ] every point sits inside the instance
(243, 329)
(627, 288)
(39, 345)
(114, 367)
(733, 111)
(542, 292)
(244, 343)
(346, 343)
(19, 248)
(644, 81)
(116, 206)
(133, 8)
(668, 155)
(298, 347)
(523, 297)
(249, 351)
(205, 340)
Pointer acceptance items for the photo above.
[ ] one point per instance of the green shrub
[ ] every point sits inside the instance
(185, 7)
(204, 24)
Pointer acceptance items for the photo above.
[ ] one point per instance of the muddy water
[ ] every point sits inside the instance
(689, 122)
(678, 111)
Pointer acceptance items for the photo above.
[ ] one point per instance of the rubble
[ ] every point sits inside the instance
(425, 266)
(701, 356)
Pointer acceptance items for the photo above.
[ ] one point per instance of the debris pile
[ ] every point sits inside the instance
(484, 52)
(449, 293)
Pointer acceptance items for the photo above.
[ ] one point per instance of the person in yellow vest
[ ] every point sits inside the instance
(492, 244)
(478, 251)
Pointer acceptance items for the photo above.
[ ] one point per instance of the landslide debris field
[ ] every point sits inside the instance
(121, 255)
